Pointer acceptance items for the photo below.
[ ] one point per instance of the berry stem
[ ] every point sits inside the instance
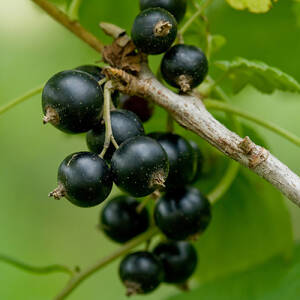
(77, 279)
(72, 25)
(33, 269)
(74, 9)
(217, 105)
(20, 99)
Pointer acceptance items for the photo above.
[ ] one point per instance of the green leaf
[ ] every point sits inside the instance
(216, 42)
(254, 6)
(263, 77)
(274, 280)
(250, 225)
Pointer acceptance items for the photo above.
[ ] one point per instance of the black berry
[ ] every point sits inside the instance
(140, 166)
(141, 273)
(184, 67)
(121, 221)
(125, 124)
(182, 213)
(179, 260)
(181, 158)
(140, 106)
(154, 31)
(72, 101)
(96, 72)
(176, 7)
(84, 179)
(199, 161)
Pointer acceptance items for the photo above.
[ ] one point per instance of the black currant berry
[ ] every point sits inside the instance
(179, 260)
(184, 67)
(199, 161)
(140, 106)
(96, 72)
(84, 179)
(141, 273)
(176, 7)
(154, 31)
(125, 124)
(181, 157)
(120, 220)
(182, 213)
(72, 101)
(140, 166)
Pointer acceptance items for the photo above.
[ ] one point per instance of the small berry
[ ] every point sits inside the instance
(199, 161)
(184, 67)
(181, 158)
(154, 31)
(176, 7)
(141, 273)
(120, 220)
(72, 101)
(179, 260)
(96, 72)
(84, 179)
(125, 124)
(182, 213)
(140, 166)
(140, 106)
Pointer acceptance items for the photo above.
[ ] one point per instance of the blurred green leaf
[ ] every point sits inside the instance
(216, 42)
(275, 280)
(250, 225)
(254, 6)
(263, 77)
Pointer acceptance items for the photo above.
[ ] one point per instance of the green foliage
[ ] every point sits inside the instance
(263, 77)
(275, 280)
(254, 6)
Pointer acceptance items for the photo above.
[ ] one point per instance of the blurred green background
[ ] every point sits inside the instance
(33, 47)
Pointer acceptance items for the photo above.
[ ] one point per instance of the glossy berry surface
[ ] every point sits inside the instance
(96, 72)
(181, 157)
(141, 272)
(140, 106)
(199, 161)
(140, 166)
(72, 101)
(179, 260)
(176, 7)
(125, 124)
(184, 66)
(154, 31)
(182, 213)
(121, 221)
(84, 179)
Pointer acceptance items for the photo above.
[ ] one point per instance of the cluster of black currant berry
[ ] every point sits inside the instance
(159, 163)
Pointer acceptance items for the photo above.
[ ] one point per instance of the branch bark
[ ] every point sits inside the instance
(190, 112)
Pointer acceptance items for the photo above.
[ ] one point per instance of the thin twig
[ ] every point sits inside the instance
(73, 26)
(34, 269)
(80, 277)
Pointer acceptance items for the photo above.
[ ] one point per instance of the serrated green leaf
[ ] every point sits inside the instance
(250, 225)
(263, 77)
(254, 6)
(277, 279)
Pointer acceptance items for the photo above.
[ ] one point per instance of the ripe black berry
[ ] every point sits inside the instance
(181, 158)
(184, 67)
(125, 124)
(154, 31)
(176, 7)
(141, 273)
(72, 101)
(199, 161)
(182, 213)
(84, 179)
(96, 72)
(179, 260)
(140, 166)
(120, 220)
(140, 106)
